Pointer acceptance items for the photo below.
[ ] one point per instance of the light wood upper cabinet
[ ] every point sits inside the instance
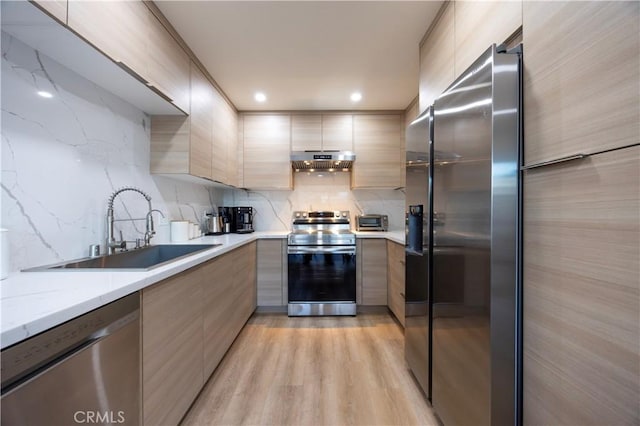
(201, 151)
(480, 24)
(225, 142)
(437, 58)
(581, 77)
(220, 139)
(120, 29)
(581, 363)
(378, 145)
(172, 361)
(267, 145)
(337, 132)
(168, 64)
(184, 145)
(371, 277)
(395, 280)
(322, 132)
(55, 8)
(306, 132)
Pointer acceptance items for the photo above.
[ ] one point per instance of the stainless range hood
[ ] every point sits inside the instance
(311, 161)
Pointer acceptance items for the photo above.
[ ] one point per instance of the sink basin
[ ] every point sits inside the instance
(141, 259)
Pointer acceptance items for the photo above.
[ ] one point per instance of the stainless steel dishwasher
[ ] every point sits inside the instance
(85, 371)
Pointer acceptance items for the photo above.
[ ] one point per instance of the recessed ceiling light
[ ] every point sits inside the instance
(356, 97)
(260, 97)
(45, 94)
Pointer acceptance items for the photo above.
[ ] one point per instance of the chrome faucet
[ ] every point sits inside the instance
(150, 232)
(112, 244)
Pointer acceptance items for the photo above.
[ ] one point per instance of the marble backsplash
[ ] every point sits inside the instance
(64, 155)
(318, 191)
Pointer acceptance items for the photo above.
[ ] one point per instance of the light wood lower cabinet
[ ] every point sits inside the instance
(189, 321)
(395, 279)
(581, 364)
(172, 353)
(272, 272)
(371, 271)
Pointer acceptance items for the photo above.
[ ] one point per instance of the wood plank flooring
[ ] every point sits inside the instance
(314, 371)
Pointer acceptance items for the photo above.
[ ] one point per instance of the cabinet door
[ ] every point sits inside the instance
(117, 28)
(373, 271)
(245, 282)
(499, 20)
(234, 160)
(270, 273)
(337, 132)
(220, 139)
(172, 363)
(202, 103)
(581, 363)
(170, 142)
(581, 77)
(395, 284)
(437, 58)
(267, 142)
(378, 147)
(306, 132)
(168, 64)
(55, 8)
(219, 307)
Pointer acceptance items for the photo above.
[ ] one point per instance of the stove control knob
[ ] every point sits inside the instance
(297, 214)
(344, 214)
(304, 215)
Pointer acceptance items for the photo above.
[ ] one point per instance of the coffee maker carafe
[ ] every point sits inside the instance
(227, 219)
(243, 219)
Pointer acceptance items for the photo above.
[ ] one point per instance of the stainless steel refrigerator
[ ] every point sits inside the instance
(418, 195)
(463, 245)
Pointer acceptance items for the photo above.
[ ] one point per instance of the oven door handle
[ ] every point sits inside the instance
(321, 249)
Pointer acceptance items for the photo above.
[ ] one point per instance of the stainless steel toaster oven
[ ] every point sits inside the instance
(372, 222)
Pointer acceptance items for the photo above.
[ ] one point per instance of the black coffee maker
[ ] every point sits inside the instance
(242, 220)
(227, 219)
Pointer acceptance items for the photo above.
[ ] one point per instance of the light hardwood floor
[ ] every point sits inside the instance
(314, 371)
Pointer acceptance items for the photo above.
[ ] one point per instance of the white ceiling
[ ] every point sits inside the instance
(307, 55)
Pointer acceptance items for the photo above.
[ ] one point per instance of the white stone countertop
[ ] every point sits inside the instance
(32, 302)
(395, 236)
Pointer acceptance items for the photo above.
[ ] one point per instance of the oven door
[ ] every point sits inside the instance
(322, 280)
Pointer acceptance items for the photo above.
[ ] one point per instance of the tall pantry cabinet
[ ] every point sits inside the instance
(581, 332)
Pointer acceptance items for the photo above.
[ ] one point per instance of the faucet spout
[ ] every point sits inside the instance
(150, 228)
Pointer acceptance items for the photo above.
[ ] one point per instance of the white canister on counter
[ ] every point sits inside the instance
(196, 230)
(163, 232)
(4, 253)
(179, 230)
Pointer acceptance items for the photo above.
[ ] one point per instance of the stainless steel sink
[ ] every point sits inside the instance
(141, 259)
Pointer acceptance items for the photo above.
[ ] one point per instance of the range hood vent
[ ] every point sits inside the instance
(311, 161)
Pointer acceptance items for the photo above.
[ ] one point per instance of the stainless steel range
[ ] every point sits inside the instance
(322, 264)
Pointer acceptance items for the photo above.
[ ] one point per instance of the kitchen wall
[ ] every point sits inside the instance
(318, 191)
(63, 156)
